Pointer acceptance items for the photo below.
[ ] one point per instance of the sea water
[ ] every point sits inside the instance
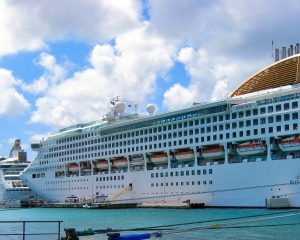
(129, 219)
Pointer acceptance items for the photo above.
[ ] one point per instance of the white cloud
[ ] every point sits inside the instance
(12, 102)
(53, 74)
(30, 25)
(39, 137)
(129, 68)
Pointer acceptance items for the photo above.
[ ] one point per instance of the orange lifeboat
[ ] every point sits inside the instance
(214, 152)
(251, 148)
(290, 144)
(102, 164)
(74, 167)
(159, 158)
(120, 163)
(187, 155)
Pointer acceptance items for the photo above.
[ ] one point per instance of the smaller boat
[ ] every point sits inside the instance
(120, 163)
(102, 164)
(74, 167)
(159, 158)
(187, 155)
(90, 206)
(290, 144)
(213, 152)
(251, 148)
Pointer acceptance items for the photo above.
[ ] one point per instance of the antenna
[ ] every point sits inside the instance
(272, 56)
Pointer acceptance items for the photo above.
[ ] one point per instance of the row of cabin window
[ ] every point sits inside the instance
(179, 183)
(234, 125)
(241, 114)
(181, 173)
(202, 139)
(189, 141)
(111, 178)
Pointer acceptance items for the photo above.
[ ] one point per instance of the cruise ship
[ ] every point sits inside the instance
(11, 187)
(234, 152)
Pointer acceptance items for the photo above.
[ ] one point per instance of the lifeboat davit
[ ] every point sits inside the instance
(120, 163)
(102, 164)
(187, 155)
(213, 152)
(251, 148)
(159, 158)
(74, 168)
(290, 144)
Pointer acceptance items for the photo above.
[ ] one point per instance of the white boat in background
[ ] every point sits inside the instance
(120, 163)
(11, 187)
(159, 158)
(186, 155)
(207, 153)
(213, 152)
(102, 164)
(251, 148)
(290, 144)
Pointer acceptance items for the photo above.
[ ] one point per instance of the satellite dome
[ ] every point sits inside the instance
(150, 108)
(120, 107)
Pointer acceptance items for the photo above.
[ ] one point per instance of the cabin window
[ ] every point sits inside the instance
(198, 172)
(208, 129)
(262, 121)
(221, 136)
(241, 114)
(214, 137)
(196, 122)
(270, 129)
(295, 126)
(233, 116)
(286, 117)
(286, 106)
(202, 121)
(234, 135)
(221, 118)
(198, 182)
(241, 133)
(263, 131)
(295, 116)
(227, 126)
(204, 171)
(208, 120)
(215, 128)
(270, 119)
(215, 119)
(241, 124)
(294, 104)
(255, 112)
(255, 132)
(278, 128)
(278, 118)
(227, 135)
(221, 127)
(263, 110)
(234, 125)
(227, 117)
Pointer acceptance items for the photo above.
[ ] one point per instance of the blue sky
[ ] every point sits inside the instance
(61, 61)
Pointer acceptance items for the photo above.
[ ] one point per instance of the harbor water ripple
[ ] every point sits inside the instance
(126, 219)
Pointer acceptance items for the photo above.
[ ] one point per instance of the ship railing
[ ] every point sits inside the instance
(24, 225)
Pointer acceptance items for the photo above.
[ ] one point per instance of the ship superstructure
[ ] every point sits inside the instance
(236, 151)
(11, 187)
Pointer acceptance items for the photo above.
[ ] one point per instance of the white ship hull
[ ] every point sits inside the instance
(243, 177)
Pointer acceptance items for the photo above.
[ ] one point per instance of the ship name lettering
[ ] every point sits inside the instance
(295, 182)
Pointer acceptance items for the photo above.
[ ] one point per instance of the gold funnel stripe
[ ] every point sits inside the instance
(282, 73)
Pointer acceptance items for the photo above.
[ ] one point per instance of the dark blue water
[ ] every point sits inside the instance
(82, 219)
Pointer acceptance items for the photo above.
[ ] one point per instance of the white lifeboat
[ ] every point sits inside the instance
(120, 163)
(102, 164)
(74, 167)
(251, 148)
(159, 158)
(290, 144)
(213, 152)
(187, 155)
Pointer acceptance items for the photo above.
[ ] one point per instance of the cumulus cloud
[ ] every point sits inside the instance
(27, 26)
(129, 68)
(13, 103)
(53, 74)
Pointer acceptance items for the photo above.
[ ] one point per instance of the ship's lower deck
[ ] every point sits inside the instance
(244, 184)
